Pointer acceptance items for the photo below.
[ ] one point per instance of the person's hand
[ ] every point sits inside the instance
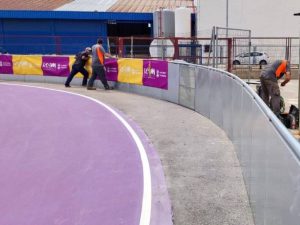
(283, 84)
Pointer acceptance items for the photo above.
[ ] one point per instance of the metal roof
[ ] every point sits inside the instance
(138, 6)
(149, 5)
(25, 14)
(88, 5)
(32, 4)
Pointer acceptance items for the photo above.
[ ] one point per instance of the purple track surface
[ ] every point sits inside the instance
(65, 159)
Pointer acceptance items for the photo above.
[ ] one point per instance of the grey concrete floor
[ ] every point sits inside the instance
(203, 174)
(290, 93)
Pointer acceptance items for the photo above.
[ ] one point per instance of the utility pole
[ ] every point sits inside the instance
(298, 14)
(227, 18)
(197, 18)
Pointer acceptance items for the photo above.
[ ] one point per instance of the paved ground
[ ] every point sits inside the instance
(202, 172)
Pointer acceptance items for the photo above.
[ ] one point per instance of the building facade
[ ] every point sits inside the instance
(264, 18)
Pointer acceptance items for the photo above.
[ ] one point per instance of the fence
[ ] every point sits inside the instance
(223, 52)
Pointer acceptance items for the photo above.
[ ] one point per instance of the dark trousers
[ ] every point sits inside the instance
(78, 69)
(98, 71)
(270, 93)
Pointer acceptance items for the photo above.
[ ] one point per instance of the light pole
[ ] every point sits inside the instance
(197, 18)
(298, 14)
(226, 18)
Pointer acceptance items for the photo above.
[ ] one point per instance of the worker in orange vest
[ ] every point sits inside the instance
(269, 83)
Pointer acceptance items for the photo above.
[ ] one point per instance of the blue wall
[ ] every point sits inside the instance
(46, 36)
(56, 32)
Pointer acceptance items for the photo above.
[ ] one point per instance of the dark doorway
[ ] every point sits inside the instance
(115, 29)
(138, 46)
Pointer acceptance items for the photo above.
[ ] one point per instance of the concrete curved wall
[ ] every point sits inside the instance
(269, 155)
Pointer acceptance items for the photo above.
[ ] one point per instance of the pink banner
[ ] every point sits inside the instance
(6, 65)
(55, 66)
(155, 73)
(111, 66)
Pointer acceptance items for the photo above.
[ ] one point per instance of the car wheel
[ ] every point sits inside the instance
(236, 62)
(263, 62)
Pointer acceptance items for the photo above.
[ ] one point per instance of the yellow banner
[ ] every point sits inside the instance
(88, 66)
(130, 71)
(27, 65)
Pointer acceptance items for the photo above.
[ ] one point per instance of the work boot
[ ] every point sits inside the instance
(67, 85)
(108, 88)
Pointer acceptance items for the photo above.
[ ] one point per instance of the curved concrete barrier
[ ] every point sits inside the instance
(269, 155)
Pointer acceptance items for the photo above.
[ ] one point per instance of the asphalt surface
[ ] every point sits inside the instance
(202, 172)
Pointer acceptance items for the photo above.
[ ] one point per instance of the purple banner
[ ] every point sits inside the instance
(55, 66)
(6, 65)
(155, 73)
(111, 66)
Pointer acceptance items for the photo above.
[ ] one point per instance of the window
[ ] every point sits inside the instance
(207, 48)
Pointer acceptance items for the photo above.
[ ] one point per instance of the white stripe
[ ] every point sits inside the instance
(147, 190)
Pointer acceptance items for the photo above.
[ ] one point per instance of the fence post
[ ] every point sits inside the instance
(176, 47)
(131, 49)
(120, 47)
(298, 82)
(229, 56)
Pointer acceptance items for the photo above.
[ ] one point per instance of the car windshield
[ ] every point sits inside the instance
(252, 54)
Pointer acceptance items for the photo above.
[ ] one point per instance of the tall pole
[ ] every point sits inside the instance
(226, 18)
(198, 18)
(298, 14)
(299, 82)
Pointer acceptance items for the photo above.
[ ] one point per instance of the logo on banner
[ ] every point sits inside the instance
(49, 65)
(130, 70)
(5, 64)
(155, 74)
(111, 69)
(24, 64)
(54, 66)
(151, 72)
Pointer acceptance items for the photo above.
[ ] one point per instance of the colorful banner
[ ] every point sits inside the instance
(151, 73)
(55, 66)
(88, 67)
(111, 66)
(155, 73)
(6, 64)
(27, 65)
(130, 71)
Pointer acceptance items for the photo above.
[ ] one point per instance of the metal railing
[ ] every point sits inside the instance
(222, 52)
